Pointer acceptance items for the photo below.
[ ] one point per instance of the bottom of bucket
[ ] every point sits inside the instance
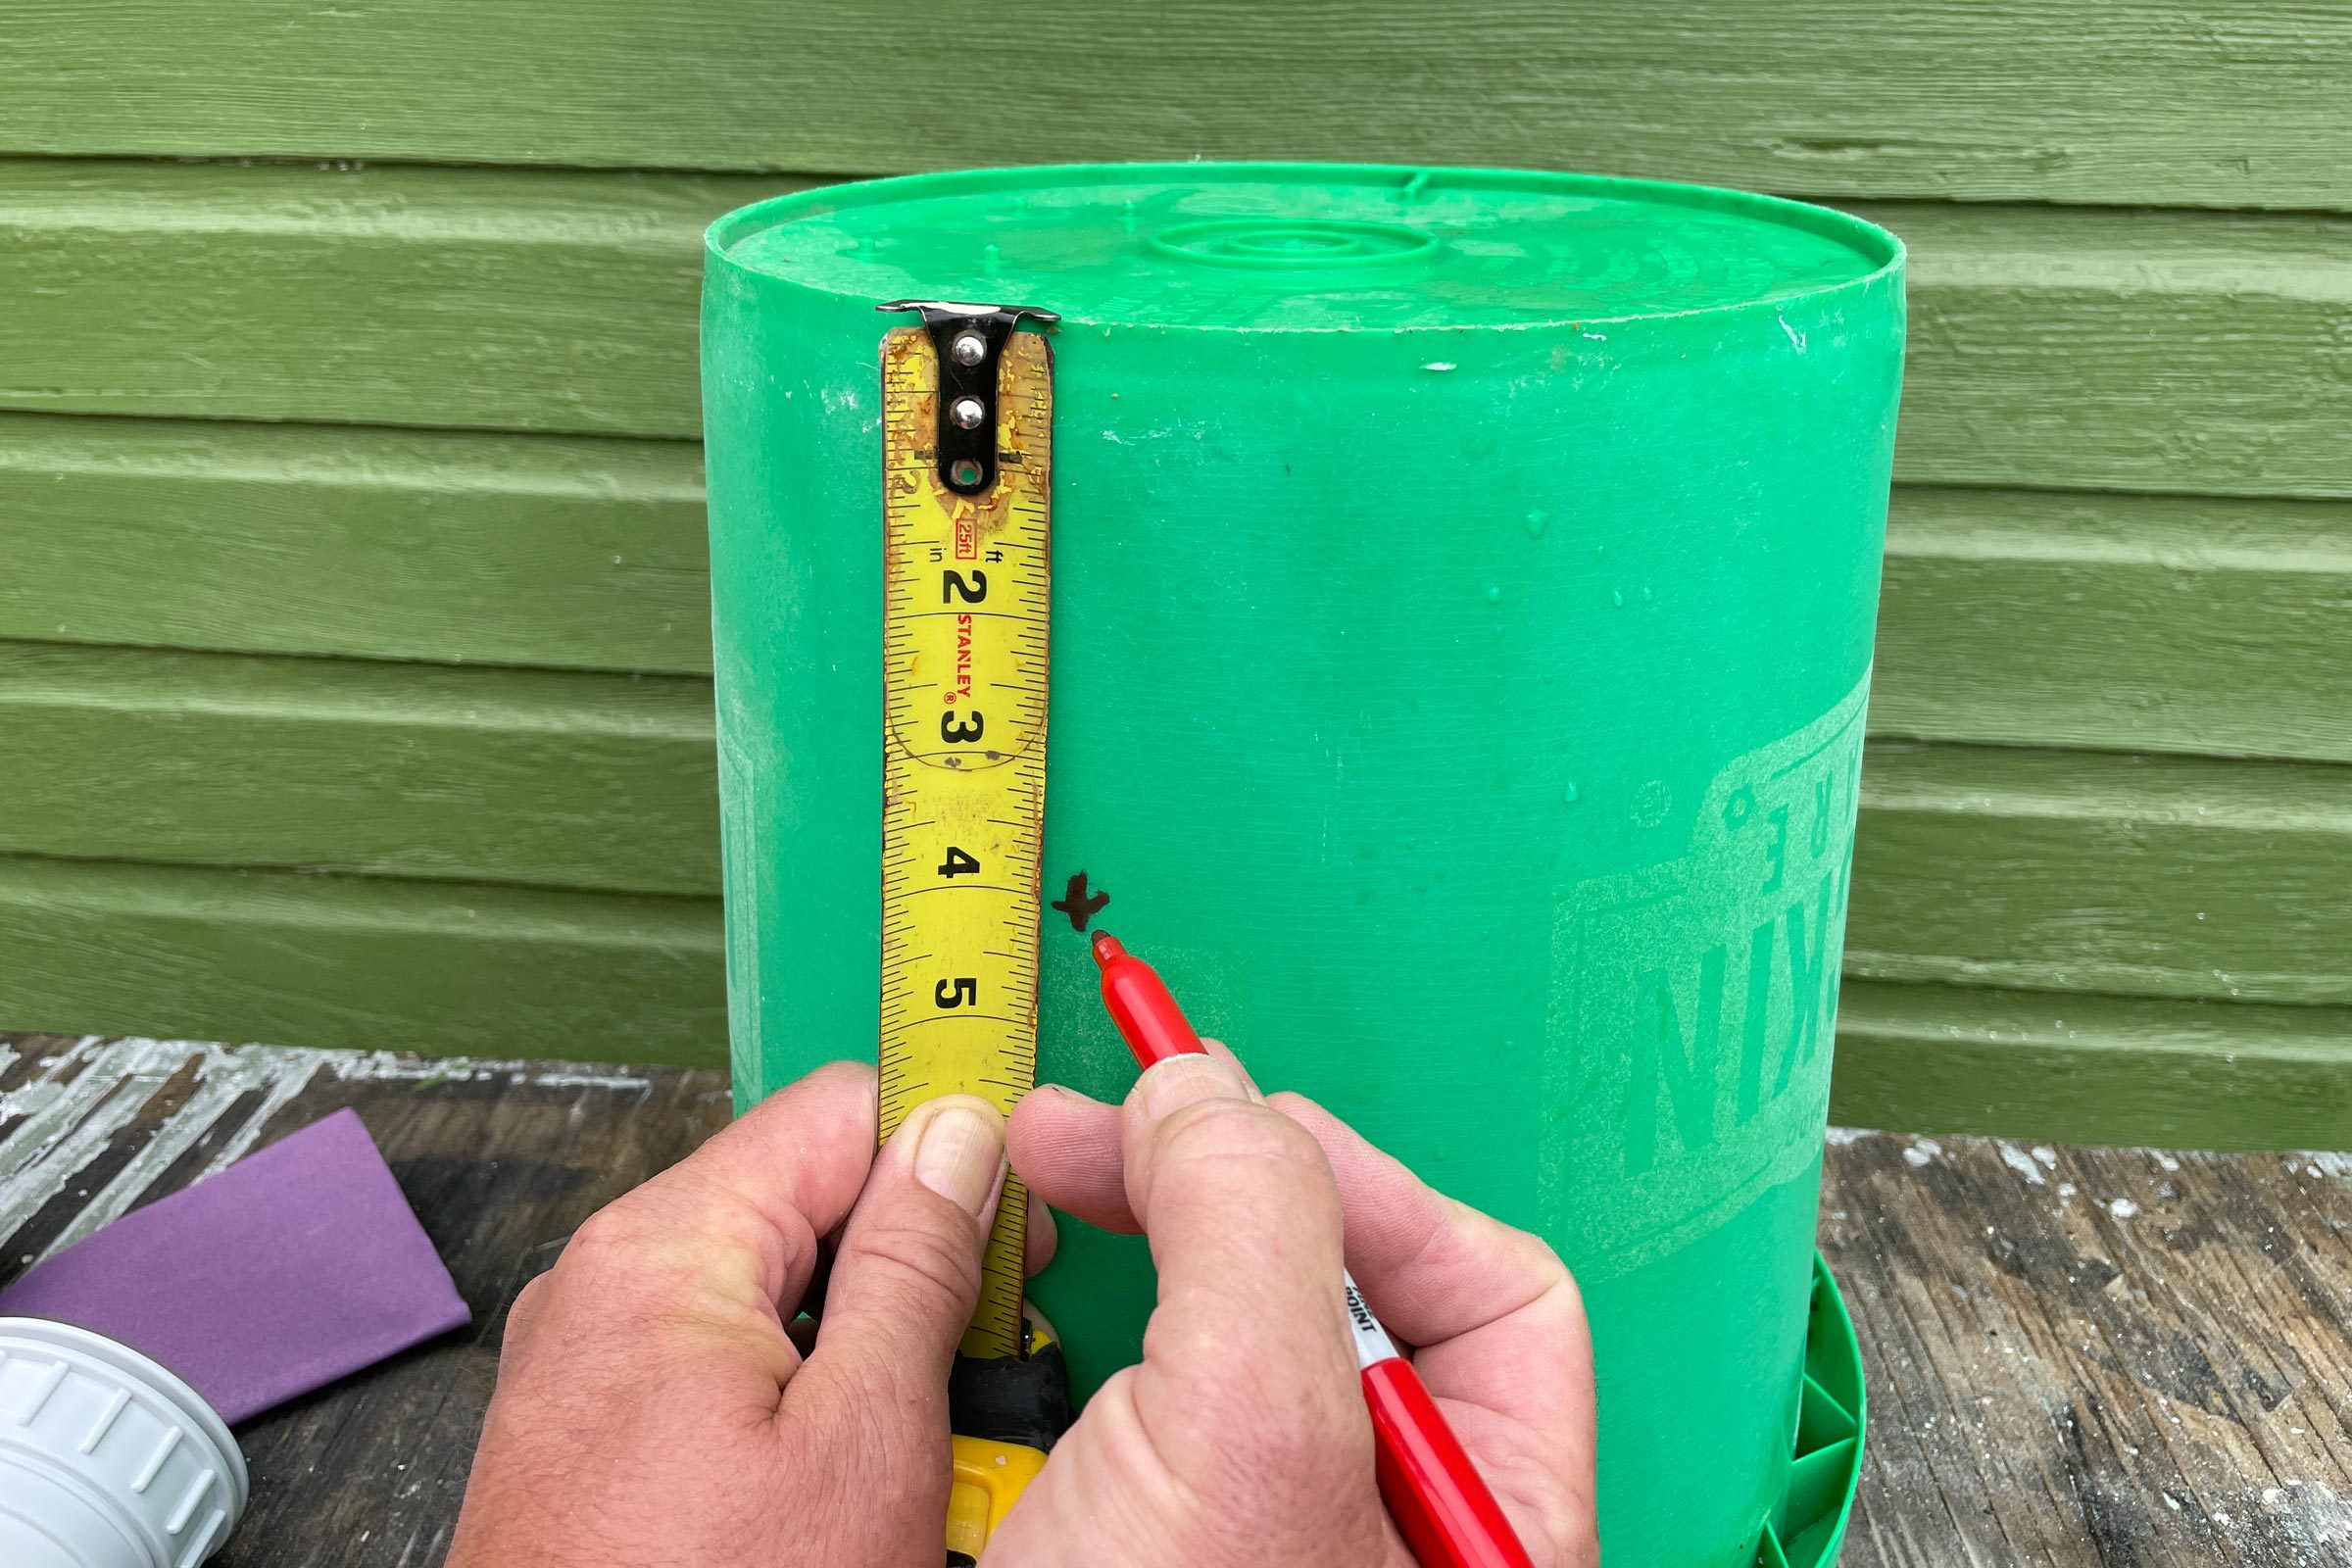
(1809, 1525)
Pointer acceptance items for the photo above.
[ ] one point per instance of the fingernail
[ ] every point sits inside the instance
(959, 1153)
(1217, 1050)
(1181, 1081)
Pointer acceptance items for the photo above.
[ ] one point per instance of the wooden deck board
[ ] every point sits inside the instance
(2096, 1355)
(2076, 1355)
(498, 1158)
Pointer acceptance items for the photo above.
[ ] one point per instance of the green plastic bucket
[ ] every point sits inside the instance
(1464, 585)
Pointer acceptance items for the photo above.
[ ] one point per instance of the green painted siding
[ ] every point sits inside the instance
(2206, 103)
(353, 638)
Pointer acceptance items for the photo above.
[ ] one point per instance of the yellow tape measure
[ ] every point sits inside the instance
(967, 407)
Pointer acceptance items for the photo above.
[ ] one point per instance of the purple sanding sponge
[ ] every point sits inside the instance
(299, 1264)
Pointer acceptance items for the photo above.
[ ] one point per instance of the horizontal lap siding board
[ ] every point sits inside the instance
(477, 298)
(2116, 622)
(2161, 876)
(2092, 1069)
(564, 552)
(570, 781)
(2224, 103)
(2207, 353)
(2185, 352)
(284, 957)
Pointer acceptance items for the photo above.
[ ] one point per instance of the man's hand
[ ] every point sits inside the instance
(653, 1408)
(1242, 1441)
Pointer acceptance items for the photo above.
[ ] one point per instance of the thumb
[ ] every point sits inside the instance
(873, 1395)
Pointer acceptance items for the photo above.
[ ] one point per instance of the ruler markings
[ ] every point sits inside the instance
(965, 692)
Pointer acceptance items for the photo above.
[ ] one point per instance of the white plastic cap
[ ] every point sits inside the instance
(107, 1460)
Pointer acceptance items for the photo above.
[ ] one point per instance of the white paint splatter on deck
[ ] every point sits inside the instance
(2324, 1163)
(2018, 1160)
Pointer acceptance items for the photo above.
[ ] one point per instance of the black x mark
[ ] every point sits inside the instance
(1079, 904)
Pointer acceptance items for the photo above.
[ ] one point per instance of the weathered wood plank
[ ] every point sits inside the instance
(2124, 622)
(2071, 1067)
(2034, 619)
(2071, 100)
(2080, 871)
(476, 299)
(2178, 352)
(382, 544)
(603, 781)
(2075, 1356)
(2199, 352)
(2097, 1357)
(363, 962)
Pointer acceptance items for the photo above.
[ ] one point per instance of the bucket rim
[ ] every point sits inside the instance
(1880, 252)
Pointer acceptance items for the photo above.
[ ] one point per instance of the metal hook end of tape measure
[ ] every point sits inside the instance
(970, 341)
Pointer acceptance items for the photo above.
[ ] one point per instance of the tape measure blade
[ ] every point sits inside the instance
(966, 631)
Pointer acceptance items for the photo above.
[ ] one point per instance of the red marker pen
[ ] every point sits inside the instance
(1436, 1496)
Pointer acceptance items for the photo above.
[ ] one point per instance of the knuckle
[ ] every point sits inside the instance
(524, 1310)
(1238, 1129)
(1311, 1439)
(1257, 1414)
(614, 1228)
(1297, 1462)
(1292, 1104)
(601, 1262)
(1542, 1257)
(1556, 1283)
(626, 1259)
(1242, 1476)
(922, 1259)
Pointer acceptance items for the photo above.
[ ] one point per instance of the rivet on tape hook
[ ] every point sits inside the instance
(970, 341)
